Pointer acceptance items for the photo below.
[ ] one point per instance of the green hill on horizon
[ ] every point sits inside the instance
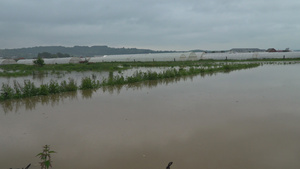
(32, 52)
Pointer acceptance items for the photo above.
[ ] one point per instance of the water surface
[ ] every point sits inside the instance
(244, 119)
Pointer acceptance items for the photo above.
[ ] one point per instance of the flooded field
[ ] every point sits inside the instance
(242, 119)
(60, 76)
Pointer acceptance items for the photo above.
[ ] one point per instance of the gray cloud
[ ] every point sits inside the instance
(168, 24)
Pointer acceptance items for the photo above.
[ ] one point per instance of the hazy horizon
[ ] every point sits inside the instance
(157, 25)
(136, 48)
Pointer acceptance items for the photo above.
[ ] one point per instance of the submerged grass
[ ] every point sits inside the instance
(25, 70)
(28, 89)
(89, 83)
(139, 76)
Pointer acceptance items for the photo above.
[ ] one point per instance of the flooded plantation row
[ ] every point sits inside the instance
(242, 119)
(59, 76)
(29, 89)
(44, 77)
(15, 105)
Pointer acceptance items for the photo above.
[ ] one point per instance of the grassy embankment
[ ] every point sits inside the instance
(28, 89)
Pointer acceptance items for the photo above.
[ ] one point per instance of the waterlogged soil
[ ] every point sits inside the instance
(244, 119)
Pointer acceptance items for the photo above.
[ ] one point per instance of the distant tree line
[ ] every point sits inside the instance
(50, 55)
(74, 51)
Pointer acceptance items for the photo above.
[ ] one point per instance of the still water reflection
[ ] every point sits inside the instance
(244, 119)
(55, 99)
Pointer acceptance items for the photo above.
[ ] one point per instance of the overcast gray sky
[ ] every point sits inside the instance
(152, 24)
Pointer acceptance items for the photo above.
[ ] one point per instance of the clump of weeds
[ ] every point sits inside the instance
(45, 157)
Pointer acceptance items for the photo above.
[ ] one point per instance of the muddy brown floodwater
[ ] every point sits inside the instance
(244, 119)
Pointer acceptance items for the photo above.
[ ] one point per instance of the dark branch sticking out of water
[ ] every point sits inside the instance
(169, 165)
(27, 167)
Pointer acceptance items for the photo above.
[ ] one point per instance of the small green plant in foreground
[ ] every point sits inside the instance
(45, 157)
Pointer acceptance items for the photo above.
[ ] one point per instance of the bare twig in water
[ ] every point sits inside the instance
(28, 166)
(23, 168)
(169, 165)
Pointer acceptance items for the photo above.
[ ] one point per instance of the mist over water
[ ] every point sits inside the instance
(244, 119)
